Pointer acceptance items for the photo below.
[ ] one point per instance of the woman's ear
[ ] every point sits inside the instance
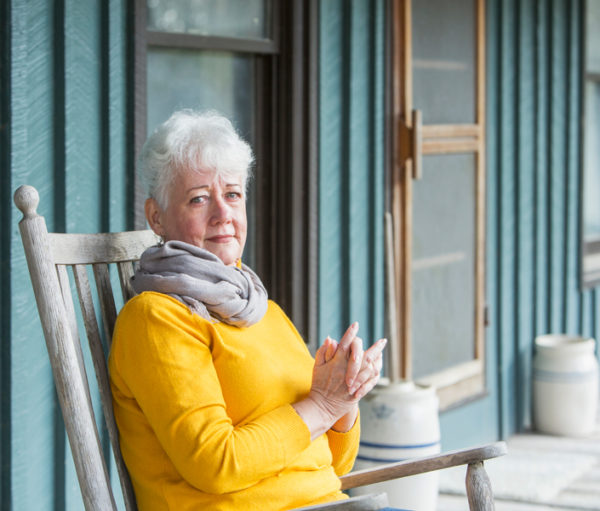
(154, 215)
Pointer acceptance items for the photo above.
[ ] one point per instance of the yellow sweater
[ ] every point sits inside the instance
(205, 417)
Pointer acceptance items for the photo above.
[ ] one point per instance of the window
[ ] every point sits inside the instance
(591, 142)
(252, 60)
(438, 193)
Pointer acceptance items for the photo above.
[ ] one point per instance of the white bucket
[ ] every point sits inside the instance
(565, 385)
(398, 422)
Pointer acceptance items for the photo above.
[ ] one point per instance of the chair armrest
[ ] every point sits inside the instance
(422, 465)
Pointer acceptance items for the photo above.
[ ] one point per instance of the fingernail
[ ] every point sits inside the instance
(355, 325)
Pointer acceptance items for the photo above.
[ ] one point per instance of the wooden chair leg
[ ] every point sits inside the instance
(479, 488)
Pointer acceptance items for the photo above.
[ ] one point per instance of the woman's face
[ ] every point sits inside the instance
(203, 210)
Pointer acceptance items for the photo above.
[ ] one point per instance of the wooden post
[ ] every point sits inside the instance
(479, 488)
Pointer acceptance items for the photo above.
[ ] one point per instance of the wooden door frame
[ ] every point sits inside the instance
(467, 380)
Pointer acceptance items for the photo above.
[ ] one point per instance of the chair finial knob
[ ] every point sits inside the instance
(27, 199)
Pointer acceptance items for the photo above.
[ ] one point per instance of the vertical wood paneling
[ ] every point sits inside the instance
(377, 175)
(558, 176)
(351, 168)
(83, 134)
(533, 194)
(574, 297)
(493, 109)
(541, 170)
(506, 218)
(330, 320)
(116, 74)
(66, 101)
(32, 392)
(358, 165)
(5, 254)
(525, 179)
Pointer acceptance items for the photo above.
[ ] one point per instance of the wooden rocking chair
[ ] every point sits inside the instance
(48, 256)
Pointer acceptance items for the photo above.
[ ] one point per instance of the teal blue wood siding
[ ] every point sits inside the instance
(351, 167)
(534, 201)
(64, 131)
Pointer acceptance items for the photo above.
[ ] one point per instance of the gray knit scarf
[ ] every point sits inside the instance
(201, 281)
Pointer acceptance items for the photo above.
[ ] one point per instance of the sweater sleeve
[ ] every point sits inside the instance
(344, 448)
(166, 366)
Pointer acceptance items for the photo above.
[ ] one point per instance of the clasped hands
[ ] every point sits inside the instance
(343, 374)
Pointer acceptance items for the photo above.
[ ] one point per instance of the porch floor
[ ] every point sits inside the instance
(540, 473)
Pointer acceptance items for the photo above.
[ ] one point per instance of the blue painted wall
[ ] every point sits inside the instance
(351, 167)
(64, 131)
(534, 181)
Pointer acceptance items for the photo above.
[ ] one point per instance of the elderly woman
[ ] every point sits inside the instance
(219, 403)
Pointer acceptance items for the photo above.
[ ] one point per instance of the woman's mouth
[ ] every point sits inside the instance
(222, 238)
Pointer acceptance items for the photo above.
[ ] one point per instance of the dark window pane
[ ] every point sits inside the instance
(227, 18)
(205, 80)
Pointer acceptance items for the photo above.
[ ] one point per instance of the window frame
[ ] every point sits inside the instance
(286, 146)
(590, 249)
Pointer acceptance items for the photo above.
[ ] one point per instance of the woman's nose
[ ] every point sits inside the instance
(221, 212)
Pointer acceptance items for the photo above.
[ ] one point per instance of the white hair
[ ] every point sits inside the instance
(191, 140)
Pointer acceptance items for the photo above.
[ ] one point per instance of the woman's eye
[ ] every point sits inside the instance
(233, 195)
(200, 199)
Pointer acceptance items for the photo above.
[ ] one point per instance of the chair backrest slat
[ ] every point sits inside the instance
(108, 309)
(65, 288)
(107, 299)
(105, 247)
(98, 359)
(126, 271)
(48, 255)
